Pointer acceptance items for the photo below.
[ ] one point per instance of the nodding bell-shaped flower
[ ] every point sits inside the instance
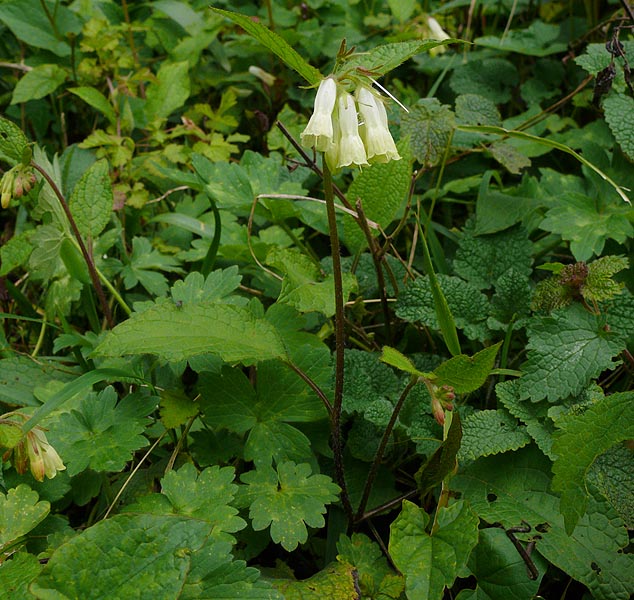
(319, 131)
(350, 145)
(379, 145)
(436, 32)
(43, 458)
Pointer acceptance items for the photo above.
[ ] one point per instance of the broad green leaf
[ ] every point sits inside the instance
(38, 82)
(99, 434)
(138, 556)
(20, 512)
(93, 97)
(177, 408)
(431, 563)
(205, 496)
(511, 301)
(538, 39)
(469, 306)
(578, 443)
(473, 109)
(287, 500)
(29, 23)
(488, 432)
(12, 141)
(565, 352)
(483, 259)
(522, 135)
(17, 574)
(402, 9)
(599, 285)
(512, 159)
(443, 461)
(218, 286)
(384, 58)
(493, 78)
(513, 487)
(335, 581)
(381, 189)
(180, 332)
(577, 219)
(91, 200)
(392, 357)
(500, 570)
(464, 373)
(619, 115)
(273, 42)
(429, 126)
(169, 92)
(301, 286)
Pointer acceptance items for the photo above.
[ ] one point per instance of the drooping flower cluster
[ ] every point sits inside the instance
(334, 127)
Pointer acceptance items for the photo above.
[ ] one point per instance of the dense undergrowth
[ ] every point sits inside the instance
(231, 369)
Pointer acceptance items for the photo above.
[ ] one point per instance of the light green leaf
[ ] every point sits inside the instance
(599, 285)
(177, 408)
(513, 487)
(619, 115)
(581, 439)
(464, 373)
(488, 432)
(177, 333)
(275, 44)
(429, 126)
(287, 501)
(565, 352)
(16, 576)
(431, 563)
(99, 434)
(93, 97)
(402, 9)
(14, 253)
(335, 581)
(538, 39)
(12, 141)
(20, 512)
(381, 189)
(91, 201)
(217, 286)
(38, 83)
(169, 92)
(392, 357)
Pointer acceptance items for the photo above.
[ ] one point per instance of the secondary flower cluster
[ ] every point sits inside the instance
(334, 127)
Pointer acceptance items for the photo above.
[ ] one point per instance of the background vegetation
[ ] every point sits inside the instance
(176, 421)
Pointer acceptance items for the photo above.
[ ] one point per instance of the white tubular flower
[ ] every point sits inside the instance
(351, 149)
(43, 458)
(262, 75)
(376, 135)
(436, 33)
(319, 132)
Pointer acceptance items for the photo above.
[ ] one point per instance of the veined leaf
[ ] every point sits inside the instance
(275, 44)
(91, 201)
(96, 99)
(12, 142)
(467, 373)
(179, 332)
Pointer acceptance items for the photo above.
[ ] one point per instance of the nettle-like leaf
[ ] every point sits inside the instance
(483, 259)
(376, 579)
(513, 487)
(205, 496)
(170, 90)
(578, 219)
(12, 141)
(565, 352)
(91, 200)
(14, 253)
(176, 333)
(20, 512)
(493, 78)
(100, 434)
(618, 110)
(17, 574)
(429, 125)
(157, 556)
(468, 305)
(464, 373)
(580, 440)
(500, 570)
(287, 500)
(381, 189)
(599, 284)
(303, 286)
(431, 563)
(511, 301)
(229, 401)
(335, 581)
(487, 432)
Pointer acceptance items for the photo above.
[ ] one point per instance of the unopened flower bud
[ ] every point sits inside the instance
(262, 75)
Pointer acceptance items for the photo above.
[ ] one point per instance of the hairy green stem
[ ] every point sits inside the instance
(335, 420)
(89, 262)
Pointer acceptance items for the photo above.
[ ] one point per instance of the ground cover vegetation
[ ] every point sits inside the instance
(316, 300)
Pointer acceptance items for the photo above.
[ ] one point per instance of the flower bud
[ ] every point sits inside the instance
(43, 458)
(376, 135)
(262, 75)
(319, 131)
